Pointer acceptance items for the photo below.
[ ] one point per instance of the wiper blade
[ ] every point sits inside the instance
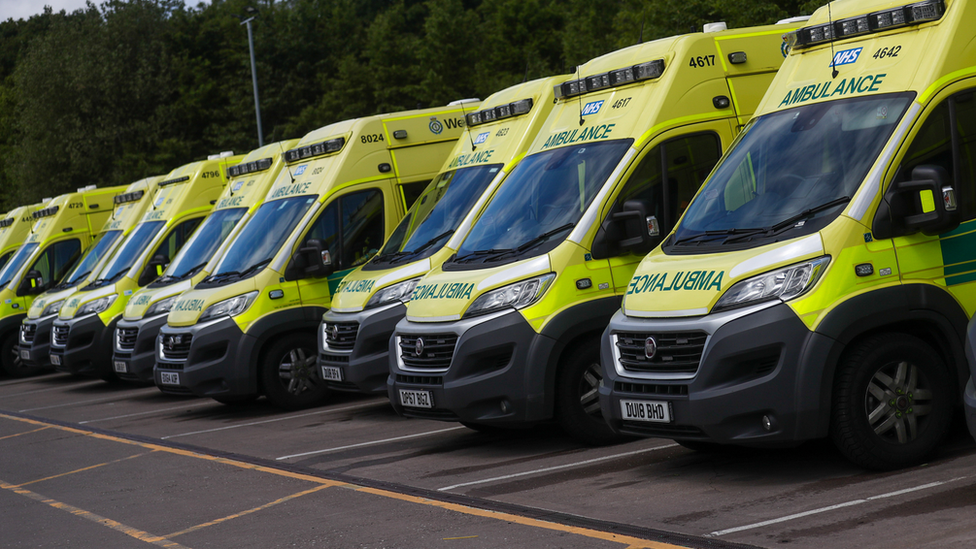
(422, 247)
(807, 213)
(481, 253)
(221, 276)
(717, 234)
(543, 237)
(185, 275)
(256, 267)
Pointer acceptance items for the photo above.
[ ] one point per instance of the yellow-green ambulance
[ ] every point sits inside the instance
(63, 228)
(35, 331)
(820, 282)
(249, 327)
(506, 332)
(355, 333)
(15, 225)
(134, 352)
(81, 336)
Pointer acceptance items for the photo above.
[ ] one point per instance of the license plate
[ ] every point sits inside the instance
(169, 378)
(56, 360)
(120, 367)
(416, 399)
(330, 373)
(24, 354)
(655, 411)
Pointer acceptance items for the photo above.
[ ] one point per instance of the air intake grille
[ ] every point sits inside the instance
(176, 346)
(673, 353)
(341, 336)
(427, 351)
(126, 338)
(59, 335)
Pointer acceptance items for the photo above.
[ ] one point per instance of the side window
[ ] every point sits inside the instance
(412, 191)
(177, 237)
(935, 144)
(351, 228)
(682, 165)
(57, 260)
(5, 257)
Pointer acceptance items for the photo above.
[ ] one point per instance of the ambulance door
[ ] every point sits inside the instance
(352, 228)
(945, 138)
(54, 263)
(665, 180)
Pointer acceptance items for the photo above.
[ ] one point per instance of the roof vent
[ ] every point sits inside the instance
(226, 154)
(797, 19)
(715, 27)
(463, 101)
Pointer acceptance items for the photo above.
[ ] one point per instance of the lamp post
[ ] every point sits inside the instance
(252, 14)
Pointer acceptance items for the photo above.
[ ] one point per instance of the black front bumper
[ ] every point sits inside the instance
(35, 341)
(497, 375)
(366, 367)
(134, 361)
(759, 362)
(89, 346)
(216, 364)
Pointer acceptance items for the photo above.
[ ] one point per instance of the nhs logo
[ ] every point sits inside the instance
(300, 170)
(592, 108)
(482, 137)
(846, 57)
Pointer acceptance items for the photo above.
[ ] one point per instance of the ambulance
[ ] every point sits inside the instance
(62, 229)
(15, 225)
(134, 353)
(821, 281)
(249, 327)
(35, 331)
(355, 333)
(507, 331)
(81, 336)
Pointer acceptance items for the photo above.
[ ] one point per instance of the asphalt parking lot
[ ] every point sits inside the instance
(86, 463)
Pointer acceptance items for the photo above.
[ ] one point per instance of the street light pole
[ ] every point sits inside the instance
(254, 72)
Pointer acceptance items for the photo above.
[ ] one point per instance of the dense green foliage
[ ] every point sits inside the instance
(132, 88)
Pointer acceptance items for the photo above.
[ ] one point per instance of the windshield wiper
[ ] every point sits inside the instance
(717, 234)
(480, 253)
(68, 283)
(400, 255)
(807, 213)
(256, 267)
(185, 275)
(543, 237)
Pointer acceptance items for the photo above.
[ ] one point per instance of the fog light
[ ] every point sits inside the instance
(505, 407)
(767, 423)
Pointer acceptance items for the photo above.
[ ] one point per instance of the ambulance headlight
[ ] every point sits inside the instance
(783, 284)
(52, 308)
(97, 305)
(397, 292)
(519, 296)
(229, 307)
(161, 306)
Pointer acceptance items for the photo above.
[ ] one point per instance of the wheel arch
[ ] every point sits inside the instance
(268, 327)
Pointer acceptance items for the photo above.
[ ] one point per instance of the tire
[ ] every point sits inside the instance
(289, 375)
(892, 402)
(577, 401)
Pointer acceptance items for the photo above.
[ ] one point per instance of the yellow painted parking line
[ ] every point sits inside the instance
(629, 541)
(248, 512)
(83, 469)
(109, 523)
(25, 433)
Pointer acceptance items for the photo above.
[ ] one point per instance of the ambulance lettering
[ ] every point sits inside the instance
(141, 300)
(474, 158)
(677, 282)
(582, 134)
(230, 202)
(847, 86)
(355, 286)
(189, 305)
(288, 190)
(454, 290)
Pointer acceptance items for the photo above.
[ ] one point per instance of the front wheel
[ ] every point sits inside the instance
(578, 401)
(289, 375)
(892, 402)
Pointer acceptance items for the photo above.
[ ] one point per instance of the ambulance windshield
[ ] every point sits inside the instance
(200, 249)
(790, 174)
(90, 260)
(12, 266)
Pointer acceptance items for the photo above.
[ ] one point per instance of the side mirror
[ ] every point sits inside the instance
(630, 229)
(32, 284)
(927, 203)
(154, 269)
(311, 261)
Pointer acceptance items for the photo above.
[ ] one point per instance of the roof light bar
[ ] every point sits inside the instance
(619, 77)
(500, 112)
(46, 212)
(911, 14)
(6, 222)
(128, 197)
(318, 149)
(173, 181)
(245, 168)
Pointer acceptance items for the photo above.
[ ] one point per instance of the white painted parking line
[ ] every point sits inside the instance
(60, 388)
(92, 401)
(556, 467)
(830, 508)
(371, 443)
(327, 411)
(185, 406)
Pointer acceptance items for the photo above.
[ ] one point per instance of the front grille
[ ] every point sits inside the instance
(169, 366)
(341, 336)
(651, 389)
(437, 350)
(420, 380)
(125, 338)
(176, 346)
(661, 430)
(334, 359)
(27, 332)
(59, 335)
(675, 353)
